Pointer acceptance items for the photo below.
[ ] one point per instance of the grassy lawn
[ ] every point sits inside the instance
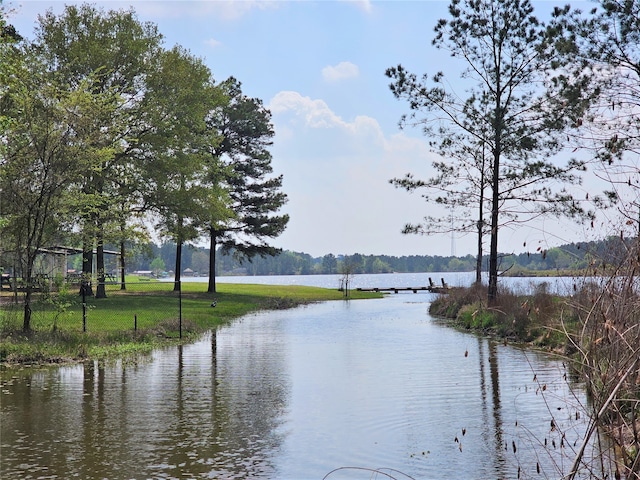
(152, 307)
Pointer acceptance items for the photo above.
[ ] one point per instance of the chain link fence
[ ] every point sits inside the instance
(141, 305)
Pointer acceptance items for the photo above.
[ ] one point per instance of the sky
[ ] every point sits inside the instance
(319, 66)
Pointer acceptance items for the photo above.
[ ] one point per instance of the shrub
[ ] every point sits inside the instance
(476, 317)
(449, 305)
(516, 315)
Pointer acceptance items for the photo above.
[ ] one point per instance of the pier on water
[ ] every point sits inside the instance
(432, 288)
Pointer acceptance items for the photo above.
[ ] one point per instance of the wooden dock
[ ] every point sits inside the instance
(432, 288)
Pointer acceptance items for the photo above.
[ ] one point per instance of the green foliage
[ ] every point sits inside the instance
(245, 130)
(449, 305)
(44, 159)
(502, 135)
(536, 318)
(475, 317)
(535, 263)
(176, 174)
(158, 266)
(61, 301)
(113, 128)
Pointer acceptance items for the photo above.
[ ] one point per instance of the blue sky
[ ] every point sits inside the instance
(319, 67)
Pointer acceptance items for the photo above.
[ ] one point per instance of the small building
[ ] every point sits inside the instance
(143, 273)
(187, 272)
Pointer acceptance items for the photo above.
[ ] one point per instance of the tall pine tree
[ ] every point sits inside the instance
(245, 129)
(518, 107)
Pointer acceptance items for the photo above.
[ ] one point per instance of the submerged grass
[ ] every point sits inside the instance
(152, 307)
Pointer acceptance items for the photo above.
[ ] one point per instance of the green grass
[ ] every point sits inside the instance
(57, 334)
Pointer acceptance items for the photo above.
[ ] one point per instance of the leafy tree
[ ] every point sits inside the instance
(376, 265)
(353, 263)
(8, 34)
(329, 263)
(41, 160)
(519, 104)
(199, 261)
(116, 50)
(178, 186)
(10, 62)
(157, 266)
(245, 129)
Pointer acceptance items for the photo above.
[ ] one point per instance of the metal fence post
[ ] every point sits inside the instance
(84, 306)
(180, 306)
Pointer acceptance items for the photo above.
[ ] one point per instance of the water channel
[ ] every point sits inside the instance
(296, 394)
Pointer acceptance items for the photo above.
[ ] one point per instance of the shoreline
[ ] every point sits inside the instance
(59, 340)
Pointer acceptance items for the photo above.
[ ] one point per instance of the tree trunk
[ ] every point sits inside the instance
(479, 257)
(492, 291)
(480, 220)
(27, 276)
(123, 285)
(212, 262)
(26, 323)
(100, 287)
(87, 267)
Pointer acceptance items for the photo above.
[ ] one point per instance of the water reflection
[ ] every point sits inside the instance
(490, 393)
(295, 394)
(174, 415)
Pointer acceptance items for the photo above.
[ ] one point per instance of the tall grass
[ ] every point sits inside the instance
(518, 316)
(605, 341)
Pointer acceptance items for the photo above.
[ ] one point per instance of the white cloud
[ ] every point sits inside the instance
(315, 113)
(314, 126)
(213, 43)
(341, 71)
(336, 173)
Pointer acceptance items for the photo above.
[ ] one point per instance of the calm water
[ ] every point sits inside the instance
(561, 285)
(294, 395)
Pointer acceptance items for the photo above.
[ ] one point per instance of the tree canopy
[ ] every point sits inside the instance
(107, 134)
(604, 46)
(244, 126)
(504, 134)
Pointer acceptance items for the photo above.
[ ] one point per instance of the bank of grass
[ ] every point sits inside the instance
(57, 335)
(540, 319)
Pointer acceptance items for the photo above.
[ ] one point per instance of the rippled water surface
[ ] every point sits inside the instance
(296, 394)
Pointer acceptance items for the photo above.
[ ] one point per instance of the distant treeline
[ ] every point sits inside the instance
(573, 256)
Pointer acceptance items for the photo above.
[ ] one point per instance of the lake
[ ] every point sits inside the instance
(297, 394)
(561, 285)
